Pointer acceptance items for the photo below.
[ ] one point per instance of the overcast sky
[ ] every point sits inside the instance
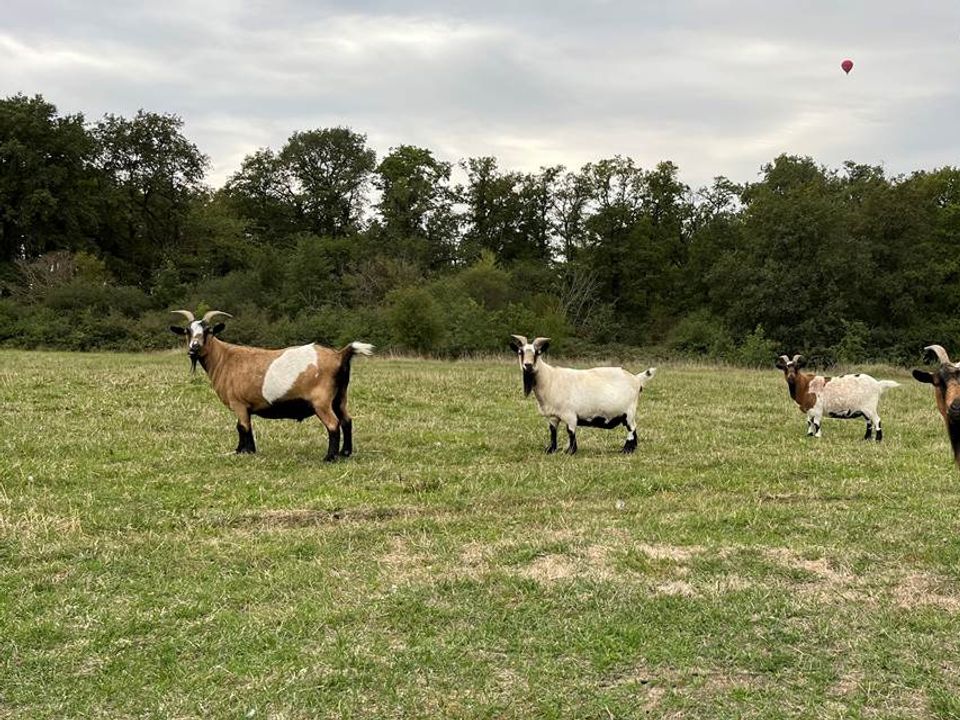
(717, 87)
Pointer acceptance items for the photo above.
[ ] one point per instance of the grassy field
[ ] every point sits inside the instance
(732, 567)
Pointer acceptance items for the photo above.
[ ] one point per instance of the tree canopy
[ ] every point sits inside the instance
(321, 240)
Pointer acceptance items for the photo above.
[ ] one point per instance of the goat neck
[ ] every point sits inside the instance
(540, 380)
(212, 355)
(798, 385)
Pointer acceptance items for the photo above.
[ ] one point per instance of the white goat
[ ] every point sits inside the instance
(604, 397)
(848, 396)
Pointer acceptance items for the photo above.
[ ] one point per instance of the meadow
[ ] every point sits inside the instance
(732, 567)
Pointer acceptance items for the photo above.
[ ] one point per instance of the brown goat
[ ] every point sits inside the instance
(292, 383)
(946, 390)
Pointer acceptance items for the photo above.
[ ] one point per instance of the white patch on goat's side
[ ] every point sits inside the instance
(284, 371)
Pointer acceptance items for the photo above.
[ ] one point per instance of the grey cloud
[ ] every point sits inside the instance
(720, 88)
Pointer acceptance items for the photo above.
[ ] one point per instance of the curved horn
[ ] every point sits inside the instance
(207, 317)
(186, 313)
(939, 352)
(796, 357)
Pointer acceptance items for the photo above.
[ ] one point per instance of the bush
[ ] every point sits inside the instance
(78, 295)
(470, 328)
(757, 350)
(701, 334)
(416, 322)
(10, 314)
(485, 283)
(231, 292)
(853, 345)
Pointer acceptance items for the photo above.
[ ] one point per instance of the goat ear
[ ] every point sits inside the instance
(923, 376)
(218, 328)
(178, 330)
(518, 342)
(541, 344)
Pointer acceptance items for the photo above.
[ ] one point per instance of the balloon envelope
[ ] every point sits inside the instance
(847, 66)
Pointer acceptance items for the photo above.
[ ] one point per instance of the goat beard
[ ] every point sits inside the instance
(529, 378)
(194, 359)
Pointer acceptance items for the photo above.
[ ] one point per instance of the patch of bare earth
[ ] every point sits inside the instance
(919, 589)
(676, 553)
(828, 582)
(697, 682)
(554, 567)
(31, 524)
(402, 564)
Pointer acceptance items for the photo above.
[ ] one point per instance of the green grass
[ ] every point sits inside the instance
(731, 568)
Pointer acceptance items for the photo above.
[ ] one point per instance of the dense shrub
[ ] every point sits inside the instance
(757, 350)
(703, 335)
(130, 302)
(416, 320)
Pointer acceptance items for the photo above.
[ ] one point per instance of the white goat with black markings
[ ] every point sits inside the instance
(604, 397)
(849, 396)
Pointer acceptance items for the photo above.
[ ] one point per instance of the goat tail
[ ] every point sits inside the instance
(884, 384)
(644, 377)
(343, 373)
(355, 348)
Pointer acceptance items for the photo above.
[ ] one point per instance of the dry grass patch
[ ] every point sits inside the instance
(920, 589)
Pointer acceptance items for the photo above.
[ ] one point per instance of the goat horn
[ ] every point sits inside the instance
(213, 313)
(796, 357)
(186, 313)
(939, 352)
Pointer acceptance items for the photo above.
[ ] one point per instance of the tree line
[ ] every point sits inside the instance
(106, 225)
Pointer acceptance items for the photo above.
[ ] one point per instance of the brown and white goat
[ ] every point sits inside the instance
(946, 389)
(844, 397)
(293, 383)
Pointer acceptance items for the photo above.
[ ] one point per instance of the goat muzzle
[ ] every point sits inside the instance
(953, 412)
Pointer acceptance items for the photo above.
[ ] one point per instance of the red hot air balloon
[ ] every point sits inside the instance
(847, 66)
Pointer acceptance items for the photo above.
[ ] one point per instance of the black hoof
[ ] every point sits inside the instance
(246, 451)
(346, 453)
(330, 458)
(570, 451)
(550, 450)
(628, 449)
